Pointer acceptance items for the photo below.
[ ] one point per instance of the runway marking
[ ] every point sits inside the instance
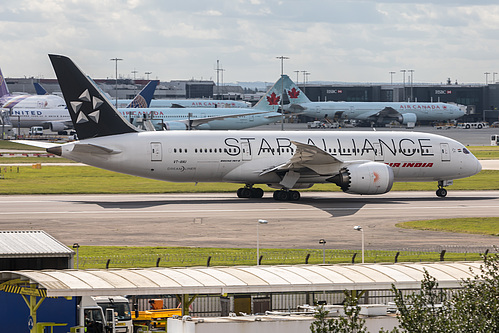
(142, 211)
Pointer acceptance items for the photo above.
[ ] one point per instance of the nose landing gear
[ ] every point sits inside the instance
(442, 192)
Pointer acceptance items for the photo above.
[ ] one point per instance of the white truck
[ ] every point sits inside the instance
(104, 314)
(121, 308)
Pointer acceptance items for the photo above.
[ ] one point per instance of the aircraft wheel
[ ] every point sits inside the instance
(256, 193)
(281, 195)
(441, 192)
(243, 192)
(294, 195)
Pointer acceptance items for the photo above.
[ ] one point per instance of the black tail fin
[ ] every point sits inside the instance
(92, 114)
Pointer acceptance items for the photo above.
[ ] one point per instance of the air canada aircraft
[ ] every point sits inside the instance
(373, 113)
(263, 113)
(358, 162)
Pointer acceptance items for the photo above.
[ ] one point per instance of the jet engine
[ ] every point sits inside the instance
(407, 118)
(364, 178)
(174, 126)
(56, 126)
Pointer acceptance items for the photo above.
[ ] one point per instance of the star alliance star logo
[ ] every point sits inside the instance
(81, 117)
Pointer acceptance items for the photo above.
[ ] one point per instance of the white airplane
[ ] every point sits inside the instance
(263, 113)
(27, 101)
(358, 162)
(190, 103)
(370, 112)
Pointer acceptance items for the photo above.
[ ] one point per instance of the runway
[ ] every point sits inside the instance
(223, 220)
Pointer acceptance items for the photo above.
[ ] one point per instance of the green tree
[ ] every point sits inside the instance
(350, 323)
(473, 308)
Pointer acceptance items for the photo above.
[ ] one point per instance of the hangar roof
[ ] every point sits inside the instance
(31, 243)
(242, 279)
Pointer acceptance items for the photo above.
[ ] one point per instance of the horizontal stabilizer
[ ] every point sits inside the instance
(39, 144)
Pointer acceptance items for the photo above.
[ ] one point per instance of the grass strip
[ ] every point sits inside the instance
(475, 225)
(86, 180)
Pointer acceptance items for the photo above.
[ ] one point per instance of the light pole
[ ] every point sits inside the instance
(77, 246)
(412, 81)
(147, 73)
(323, 242)
(486, 77)
(258, 240)
(359, 228)
(116, 85)
(391, 77)
(297, 72)
(282, 89)
(494, 78)
(403, 94)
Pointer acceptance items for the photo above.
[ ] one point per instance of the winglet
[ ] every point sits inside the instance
(91, 112)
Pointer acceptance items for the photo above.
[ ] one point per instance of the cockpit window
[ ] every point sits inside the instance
(466, 151)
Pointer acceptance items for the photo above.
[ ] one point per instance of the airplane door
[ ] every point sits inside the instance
(245, 151)
(378, 156)
(156, 154)
(444, 149)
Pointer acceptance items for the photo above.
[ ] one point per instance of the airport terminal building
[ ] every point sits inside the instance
(481, 101)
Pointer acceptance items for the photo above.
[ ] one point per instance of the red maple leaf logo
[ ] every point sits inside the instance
(293, 93)
(273, 99)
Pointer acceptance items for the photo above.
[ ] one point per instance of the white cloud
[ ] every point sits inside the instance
(333, 40)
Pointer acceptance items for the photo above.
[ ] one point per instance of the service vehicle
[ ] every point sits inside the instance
(475, 125)
(36, 130)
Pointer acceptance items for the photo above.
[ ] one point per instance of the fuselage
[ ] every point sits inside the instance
(26, 118)
(190, 103)
(230, 123)
(244, 156)
(363, 110)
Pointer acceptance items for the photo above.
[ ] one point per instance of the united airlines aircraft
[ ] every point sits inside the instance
(358, 162)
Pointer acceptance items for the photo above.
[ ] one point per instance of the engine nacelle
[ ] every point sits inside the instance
(365, 178)
(56, 126)
(174, 126)
(407, 118)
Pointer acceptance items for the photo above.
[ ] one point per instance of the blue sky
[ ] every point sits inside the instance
(350, 41)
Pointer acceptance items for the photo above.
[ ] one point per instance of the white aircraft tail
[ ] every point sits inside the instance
(295, 95)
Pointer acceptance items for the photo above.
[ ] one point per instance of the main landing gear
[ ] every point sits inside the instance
(249, 192)
(281, 195)
(284, 195)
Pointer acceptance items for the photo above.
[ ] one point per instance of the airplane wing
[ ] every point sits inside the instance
(294, 108)
(308, 157)
(387, 112)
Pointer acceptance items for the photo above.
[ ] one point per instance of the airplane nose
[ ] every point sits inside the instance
(478, 166)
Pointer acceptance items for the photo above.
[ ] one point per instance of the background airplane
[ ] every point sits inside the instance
(190, 103)
(26, 101)
(372, 113)
(358, 162)
(57, 119)
(264, 112)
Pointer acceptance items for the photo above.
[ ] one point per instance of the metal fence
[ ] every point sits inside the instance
(280, 257)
